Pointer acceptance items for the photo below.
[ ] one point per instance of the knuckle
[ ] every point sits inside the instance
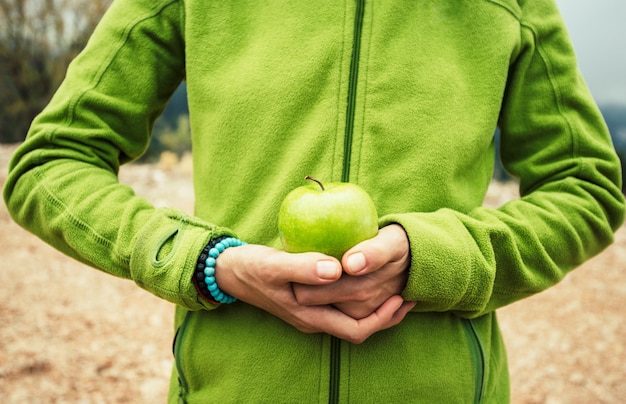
(358, 296)
(300, 326)
(357, 338)
(307, 329)
(303, 298)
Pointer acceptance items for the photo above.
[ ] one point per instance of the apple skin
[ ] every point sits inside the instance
(329, 219)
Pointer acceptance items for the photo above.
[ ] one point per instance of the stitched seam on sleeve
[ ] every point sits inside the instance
(556, 92)
(507, 8)
(69, 118)
(75, 221)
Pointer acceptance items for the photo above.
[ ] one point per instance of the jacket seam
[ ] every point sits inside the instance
(77, 222)
(365, 87)
(339, 80)
(95, 80)
(558, 100)
(322, 355)
(507, 8)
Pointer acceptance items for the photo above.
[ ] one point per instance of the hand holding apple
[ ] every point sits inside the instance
(375, 270)
(264, 277)
(340, 220)
(329, 218)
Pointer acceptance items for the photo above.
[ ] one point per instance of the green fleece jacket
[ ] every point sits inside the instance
(401, 97)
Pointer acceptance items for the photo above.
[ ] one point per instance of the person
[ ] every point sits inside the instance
(402, 98)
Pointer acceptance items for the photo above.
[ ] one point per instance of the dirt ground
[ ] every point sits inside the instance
(71, 334)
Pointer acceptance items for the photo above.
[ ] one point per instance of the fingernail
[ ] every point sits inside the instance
(328, 269)
(356, 262)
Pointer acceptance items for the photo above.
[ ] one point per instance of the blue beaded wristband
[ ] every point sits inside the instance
(209, 269)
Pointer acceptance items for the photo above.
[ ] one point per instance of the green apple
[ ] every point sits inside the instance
(329, 218)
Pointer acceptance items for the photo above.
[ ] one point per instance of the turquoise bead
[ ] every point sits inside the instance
(209, 270)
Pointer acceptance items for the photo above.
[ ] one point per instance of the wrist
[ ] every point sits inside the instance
(204, 274)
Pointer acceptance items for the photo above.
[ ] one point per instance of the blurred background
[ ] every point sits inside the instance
(39, 38)
(72, 334)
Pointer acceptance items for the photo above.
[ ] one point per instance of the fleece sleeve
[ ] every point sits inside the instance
(554, 140)
(62, 182)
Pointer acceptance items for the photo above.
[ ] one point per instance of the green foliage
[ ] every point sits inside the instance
(38, 39)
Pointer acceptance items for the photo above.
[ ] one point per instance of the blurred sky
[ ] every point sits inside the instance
(598, 31)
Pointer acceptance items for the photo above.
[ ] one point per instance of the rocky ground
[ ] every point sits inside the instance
(71, 334)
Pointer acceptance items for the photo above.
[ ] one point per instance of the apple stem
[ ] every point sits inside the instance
(308, 177)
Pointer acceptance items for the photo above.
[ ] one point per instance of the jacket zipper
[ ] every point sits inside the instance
(335, 343)
(335, 350)
(178, 339)
(354, 73)
(478, 359)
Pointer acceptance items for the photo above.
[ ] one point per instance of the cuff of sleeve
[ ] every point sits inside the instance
(444, 274)
(165, 255)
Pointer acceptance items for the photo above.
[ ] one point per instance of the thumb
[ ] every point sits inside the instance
(389, 245)
(306, 268)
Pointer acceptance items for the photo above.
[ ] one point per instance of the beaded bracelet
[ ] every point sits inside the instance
(204, 276)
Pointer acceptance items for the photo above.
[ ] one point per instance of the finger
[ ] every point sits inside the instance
(381, 319)
(327, 319)
(357, 331)
(305, 268)
(347, 289)
(399, 315)
(251, 271)
(389, 245)
(279, 267)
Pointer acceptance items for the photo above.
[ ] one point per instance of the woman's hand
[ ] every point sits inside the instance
(375, 271)
(263, 277)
